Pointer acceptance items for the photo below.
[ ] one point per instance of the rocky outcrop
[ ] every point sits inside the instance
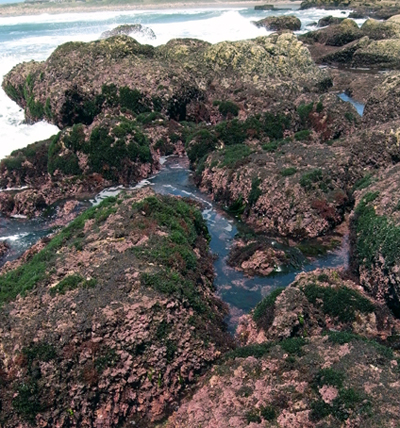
(359, 9)
(129, 30)
(378, 30)
(289, 374)
(118, 103)
(80, 80)
(375, 236)
(317, 301)
(111, 321)
(77, 162)
(329, 20)
(374, 45)
(278, 179)
(334, 35)
(382, 105)
(279, 23)
(260, 256)
(375, 11)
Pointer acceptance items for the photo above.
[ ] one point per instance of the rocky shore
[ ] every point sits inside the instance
(113, 321)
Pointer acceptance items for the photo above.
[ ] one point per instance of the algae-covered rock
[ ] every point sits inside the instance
(68, 88)
(334, 35)
(378, 30)
(329, 20)
(129, 30)
(80, 160)
(116, 315)
(274, 169)
(278, 23)
(345, 54)
(375, 229)
(315, 302)
(289, 374)
(308, 357)
(379, 54)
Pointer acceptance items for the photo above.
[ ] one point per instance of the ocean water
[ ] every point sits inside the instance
(27, 38)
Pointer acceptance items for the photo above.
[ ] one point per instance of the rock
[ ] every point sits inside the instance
(66, 96)
(374, 12)
(116, 124)
(278, 23)
(4, 248)
(334, 35)
(345, 54)
(129, 30)
(382, 105)
(329, 20)
(276, 180)
(378, 30)
(250, 386)
(375, 227)
(360, 86)
(262, 256)
(104, 327)
(359, 10)
(394, 19)
(325, 4)
(264, 7)
(314, 302)
(380, 54)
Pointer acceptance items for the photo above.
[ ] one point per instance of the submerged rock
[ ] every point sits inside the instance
(129, 30)
(116, 317)
(278, 23)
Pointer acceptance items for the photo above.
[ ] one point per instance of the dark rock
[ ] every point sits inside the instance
(278, 23)
(334, 35)
(130, 30)
(329, 20)
(264, 7)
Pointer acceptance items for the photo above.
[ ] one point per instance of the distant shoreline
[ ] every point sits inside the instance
(25, 9)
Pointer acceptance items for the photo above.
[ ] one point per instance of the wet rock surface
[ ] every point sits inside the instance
(130, 30)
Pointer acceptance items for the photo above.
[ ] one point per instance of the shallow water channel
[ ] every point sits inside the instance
(240, 292)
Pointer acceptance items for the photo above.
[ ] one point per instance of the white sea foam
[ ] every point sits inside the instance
(14, 237)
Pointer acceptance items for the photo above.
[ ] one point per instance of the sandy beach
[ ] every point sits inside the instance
(18, 9)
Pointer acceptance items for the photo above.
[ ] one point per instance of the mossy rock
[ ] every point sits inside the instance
(334, 35)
